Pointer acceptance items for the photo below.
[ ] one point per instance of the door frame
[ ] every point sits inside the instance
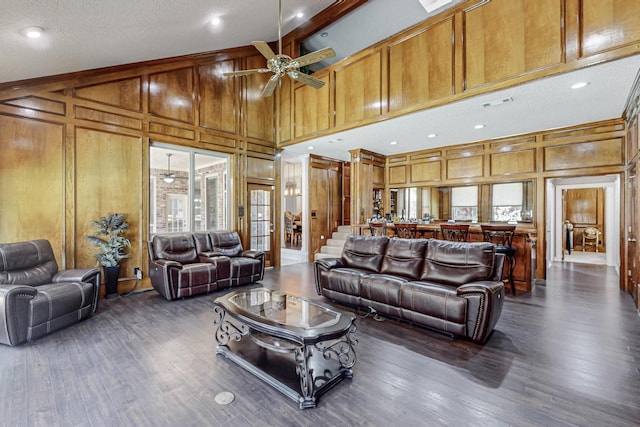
(554, 214)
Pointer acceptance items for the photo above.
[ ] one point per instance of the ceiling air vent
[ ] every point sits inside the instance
(497, 102)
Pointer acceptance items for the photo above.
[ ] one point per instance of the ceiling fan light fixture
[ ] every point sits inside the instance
(168, 179)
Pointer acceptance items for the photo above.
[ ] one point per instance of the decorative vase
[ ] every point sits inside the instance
(111, 281)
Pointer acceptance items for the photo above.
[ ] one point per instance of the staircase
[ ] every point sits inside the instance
(333, 248)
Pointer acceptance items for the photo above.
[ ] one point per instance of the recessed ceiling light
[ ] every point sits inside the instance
(478, 126)
(32, 32)
(299, 15)
(432, 135)
(216, 21)
(579, 85)
(310, 147)
(393, 142)
(324, 34)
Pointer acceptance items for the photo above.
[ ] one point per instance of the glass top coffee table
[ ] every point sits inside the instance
(300, 347)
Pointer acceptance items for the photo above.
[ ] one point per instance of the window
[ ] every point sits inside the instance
(464, 203)
(187, 189)
(507, 201)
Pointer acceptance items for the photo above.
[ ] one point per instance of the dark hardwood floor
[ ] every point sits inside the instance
(566, 354)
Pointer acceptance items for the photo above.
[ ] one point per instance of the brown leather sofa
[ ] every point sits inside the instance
(36, 298)
(452, 287)
(183, 265)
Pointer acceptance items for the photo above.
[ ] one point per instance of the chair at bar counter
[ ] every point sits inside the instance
(406, 230)
(455, 232)
(378, 228)
(502, 237)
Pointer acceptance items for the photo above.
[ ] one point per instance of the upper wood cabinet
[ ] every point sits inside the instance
(608, 24)
(506, 38)
(473, 48)
(358, 88)
(421, 66)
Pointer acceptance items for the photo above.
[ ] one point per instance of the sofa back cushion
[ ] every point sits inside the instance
(226, 242)
(366, 252)
(176, 247)
(202, 241)
(457, 263)
(27, 263)
(404, 257)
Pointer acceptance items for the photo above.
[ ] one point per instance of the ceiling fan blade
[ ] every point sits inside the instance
(308, 80)
(271, 86)
(264, 49)
(245, 72)
(316, 56)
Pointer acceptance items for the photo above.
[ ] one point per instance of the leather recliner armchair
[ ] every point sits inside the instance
(36, 298)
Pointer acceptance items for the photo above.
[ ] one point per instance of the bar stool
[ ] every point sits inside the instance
(378, 228)
(406, 230)
(502, 237)
(455, 232)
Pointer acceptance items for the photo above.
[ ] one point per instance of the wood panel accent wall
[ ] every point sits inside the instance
(74, 149)
(585, 208)
(473, 48)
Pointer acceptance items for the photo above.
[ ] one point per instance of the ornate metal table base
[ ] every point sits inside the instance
(335, 358)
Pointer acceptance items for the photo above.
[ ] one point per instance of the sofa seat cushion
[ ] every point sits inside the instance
(404, 257)
(434, 305)
(382, 292)
(196, 278)
(59, 305)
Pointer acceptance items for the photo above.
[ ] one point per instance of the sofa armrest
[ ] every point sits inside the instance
(251, 253)
(14, 313)
(162, 279)
(321, 265)
(484, 306)
(166, 263)
(87, 275)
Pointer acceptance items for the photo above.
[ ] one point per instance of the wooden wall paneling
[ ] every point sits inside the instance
(219, 143)
(108, 178)
(607, 24)
(218, 106)
(512, 162)
(32, 182)
(398, 175)
(358, 88)
(426, 172)
(39, 104)
(259, 115)
(125, 93)
(581, 155)
(171, 95)
(285, 99)
(260, 168)
(164, 130)
(507, 38)
(465, 167)
(421, 66)
(312, 111)
(105, 117)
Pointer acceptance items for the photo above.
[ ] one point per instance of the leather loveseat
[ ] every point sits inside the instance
(182, 265)
(452, 287)
(36, 298)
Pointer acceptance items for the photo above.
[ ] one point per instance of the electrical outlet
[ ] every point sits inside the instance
(138, 273)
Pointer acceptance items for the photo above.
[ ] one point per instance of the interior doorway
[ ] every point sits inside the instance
(260, 220)
(583, 190)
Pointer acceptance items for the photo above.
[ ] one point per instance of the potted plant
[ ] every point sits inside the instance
(111, 248)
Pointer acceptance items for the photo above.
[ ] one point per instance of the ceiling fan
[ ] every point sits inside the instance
(281, 64)
(169, 177)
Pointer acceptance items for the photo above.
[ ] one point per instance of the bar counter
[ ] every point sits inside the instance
(523, 239)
